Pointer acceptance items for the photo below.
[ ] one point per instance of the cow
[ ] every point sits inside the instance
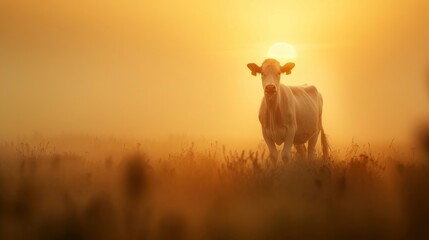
(289, 114)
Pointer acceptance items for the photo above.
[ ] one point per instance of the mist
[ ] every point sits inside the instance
(150, 70)
(139, 120)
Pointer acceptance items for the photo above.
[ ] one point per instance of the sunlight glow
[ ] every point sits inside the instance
(281, 50)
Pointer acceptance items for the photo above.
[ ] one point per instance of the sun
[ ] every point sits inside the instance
(281, 50)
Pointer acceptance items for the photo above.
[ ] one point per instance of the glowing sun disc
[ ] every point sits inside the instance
(281, 50)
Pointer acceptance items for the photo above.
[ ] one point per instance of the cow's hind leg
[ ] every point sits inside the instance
(300, 151)
(312, 145)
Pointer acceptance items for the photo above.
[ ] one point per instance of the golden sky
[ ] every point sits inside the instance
(153, 68)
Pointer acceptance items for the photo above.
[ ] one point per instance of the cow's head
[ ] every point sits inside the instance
(270, 73)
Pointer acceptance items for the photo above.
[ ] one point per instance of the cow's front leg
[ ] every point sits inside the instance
(290, 135)
(272, 148)
(273, 152)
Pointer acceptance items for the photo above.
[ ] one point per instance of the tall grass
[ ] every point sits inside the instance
(215, 193)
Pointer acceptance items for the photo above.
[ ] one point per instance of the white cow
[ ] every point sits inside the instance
(289, 115)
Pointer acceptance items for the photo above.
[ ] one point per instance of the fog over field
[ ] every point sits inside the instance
(152, 69)
(139, 120)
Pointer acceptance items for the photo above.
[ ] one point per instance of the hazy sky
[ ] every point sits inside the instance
(152, 68)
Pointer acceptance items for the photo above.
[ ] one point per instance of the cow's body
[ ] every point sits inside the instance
(290, 115)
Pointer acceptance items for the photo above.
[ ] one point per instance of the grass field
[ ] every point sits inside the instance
(108, 189)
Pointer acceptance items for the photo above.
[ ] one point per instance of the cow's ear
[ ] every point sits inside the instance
(287, 68)
(254, 68)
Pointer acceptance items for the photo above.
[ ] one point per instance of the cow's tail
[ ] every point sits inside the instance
(323, 139)
(325, 144)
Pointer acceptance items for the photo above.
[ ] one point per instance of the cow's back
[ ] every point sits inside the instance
(308, 104)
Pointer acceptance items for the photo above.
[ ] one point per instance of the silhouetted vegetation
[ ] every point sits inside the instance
(211, 194)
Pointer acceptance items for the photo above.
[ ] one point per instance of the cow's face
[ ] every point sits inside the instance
(270, 74)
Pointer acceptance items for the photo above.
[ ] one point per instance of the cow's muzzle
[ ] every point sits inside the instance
(270, 90)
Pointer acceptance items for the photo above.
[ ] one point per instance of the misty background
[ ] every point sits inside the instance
(150, 69)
